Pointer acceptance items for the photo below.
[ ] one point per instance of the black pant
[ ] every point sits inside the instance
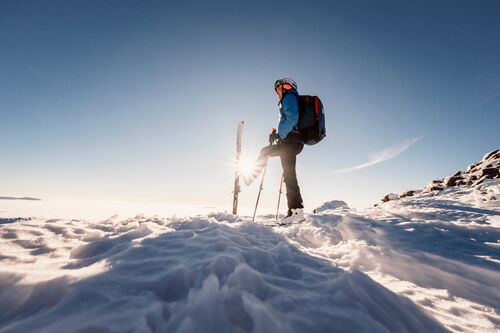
(287, 151)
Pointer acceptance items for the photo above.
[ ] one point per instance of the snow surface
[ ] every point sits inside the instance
(424, 263)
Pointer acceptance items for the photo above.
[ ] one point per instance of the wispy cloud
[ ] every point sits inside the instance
(383, 155)
(487, 100)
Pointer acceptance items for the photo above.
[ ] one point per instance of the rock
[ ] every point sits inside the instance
(472, 166)
(390, 196)
(452, 181)
(407, 194)
(493, 155)
(474, 170)
(437, 188)
(482, 179)
(490, 173)
(476, 176)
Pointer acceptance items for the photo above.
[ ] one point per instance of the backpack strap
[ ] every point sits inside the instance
(316, 107)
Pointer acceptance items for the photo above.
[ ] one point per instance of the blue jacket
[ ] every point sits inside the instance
(289, 113)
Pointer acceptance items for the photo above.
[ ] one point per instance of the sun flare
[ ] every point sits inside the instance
(246, 167)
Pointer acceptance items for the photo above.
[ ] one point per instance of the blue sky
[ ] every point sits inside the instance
(139, 100)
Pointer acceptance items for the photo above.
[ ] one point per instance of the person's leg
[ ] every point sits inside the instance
(260, 163)
(265, 153)
(288, 154)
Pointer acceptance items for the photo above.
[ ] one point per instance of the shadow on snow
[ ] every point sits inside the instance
(207, 276)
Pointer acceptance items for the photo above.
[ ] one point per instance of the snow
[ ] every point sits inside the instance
(334, 204)
(393, 196)
(88, 209)
(193, 275)
(428, 262)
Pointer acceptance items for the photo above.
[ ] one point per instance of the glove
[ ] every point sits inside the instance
(273, 137)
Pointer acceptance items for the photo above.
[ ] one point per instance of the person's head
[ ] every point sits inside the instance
(281, 86)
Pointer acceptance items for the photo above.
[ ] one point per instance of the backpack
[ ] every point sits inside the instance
(311, 119)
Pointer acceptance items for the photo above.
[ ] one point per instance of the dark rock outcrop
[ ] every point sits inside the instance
(490, 172)
(487, 168)
(407, 194)
(453, 180)
(477, 173)
(436, 188)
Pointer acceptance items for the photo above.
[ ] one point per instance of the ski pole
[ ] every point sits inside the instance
(279, 197)
(260, 190)
(262, 181)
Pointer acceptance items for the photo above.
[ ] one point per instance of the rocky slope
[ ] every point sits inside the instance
(474, 177)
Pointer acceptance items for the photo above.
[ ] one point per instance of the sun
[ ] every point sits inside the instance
(246, 167)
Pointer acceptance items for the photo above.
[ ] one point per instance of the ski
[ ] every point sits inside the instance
(277, 224)
(237, 188)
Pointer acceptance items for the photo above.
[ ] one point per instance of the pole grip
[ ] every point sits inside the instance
(271, 141)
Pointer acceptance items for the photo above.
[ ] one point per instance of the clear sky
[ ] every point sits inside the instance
(139, 100)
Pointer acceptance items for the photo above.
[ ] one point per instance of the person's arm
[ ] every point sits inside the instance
(291, 115)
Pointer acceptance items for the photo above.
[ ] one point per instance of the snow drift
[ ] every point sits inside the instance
(197, 275)
(425, 262)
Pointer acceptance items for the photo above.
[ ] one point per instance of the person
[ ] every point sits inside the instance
(288, 145)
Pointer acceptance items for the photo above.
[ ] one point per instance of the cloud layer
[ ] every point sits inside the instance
(383, 155)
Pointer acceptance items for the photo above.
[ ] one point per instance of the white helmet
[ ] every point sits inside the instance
(285, 81)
